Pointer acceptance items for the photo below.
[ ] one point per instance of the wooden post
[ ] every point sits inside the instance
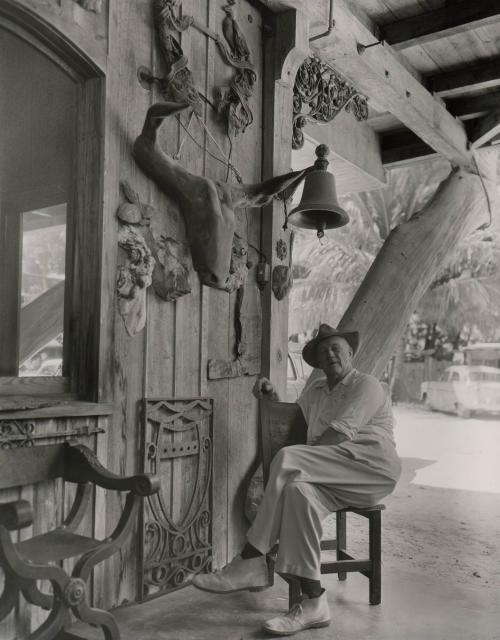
(407, 263)
(284, 51)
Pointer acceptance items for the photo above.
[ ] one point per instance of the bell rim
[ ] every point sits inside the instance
(341, 213)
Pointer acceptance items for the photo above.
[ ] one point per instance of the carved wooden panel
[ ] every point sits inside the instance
(176, 527)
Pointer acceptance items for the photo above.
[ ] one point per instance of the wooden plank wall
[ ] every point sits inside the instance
(169, 357)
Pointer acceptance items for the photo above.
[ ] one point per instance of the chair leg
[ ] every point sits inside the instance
(57, 619)
(97, 618)
(341, 518)
(33, 595)
(375, 535)
(10, 594)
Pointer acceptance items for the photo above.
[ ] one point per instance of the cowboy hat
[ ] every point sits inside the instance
(325, 331)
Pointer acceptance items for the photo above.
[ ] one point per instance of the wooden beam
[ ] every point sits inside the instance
(284, 52)
(440, 23)
(474, 76)
(354, 158)
(379, 74)
(485, 129)
(473, 106)
(402, 147)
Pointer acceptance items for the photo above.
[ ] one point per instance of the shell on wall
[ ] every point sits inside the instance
(91, 5)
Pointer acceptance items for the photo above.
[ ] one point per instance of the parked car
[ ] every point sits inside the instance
(53, 350)
(50, 367)
(464, 389)
(298, 373)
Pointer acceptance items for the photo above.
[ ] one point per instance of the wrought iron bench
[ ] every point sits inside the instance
(282, 424)
(39, 558)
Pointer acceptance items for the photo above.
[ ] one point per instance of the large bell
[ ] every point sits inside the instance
(319, 208)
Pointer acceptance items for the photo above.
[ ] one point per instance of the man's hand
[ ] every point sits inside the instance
(263, 389)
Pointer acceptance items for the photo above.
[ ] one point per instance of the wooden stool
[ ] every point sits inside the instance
(345, 563)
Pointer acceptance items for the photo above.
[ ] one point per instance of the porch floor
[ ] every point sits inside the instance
(414, 607)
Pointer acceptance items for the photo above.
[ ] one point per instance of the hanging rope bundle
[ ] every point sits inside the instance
(225, 159)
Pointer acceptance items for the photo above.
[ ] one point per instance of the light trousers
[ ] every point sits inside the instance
(306, 483)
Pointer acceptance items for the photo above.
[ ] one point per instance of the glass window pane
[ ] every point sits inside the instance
(42, 291)
(37, 159)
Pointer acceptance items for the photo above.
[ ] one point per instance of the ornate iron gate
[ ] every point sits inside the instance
(176, 523)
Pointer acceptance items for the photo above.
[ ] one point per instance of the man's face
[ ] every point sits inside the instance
(334, 356)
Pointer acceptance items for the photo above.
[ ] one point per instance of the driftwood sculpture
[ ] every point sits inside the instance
(232, 101)
(207, 205)
(134, 277)
(282, 280)
(172, 266)
(172, 260)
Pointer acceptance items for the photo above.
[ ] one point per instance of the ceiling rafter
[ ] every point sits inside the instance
(400, 147)
(485, 129)
(380, 74)
(482, 75)
(473, 106)
(440, 23)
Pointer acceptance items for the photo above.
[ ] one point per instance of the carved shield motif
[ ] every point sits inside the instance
(176, 524)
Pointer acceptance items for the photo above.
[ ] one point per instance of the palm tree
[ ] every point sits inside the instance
(467, 291)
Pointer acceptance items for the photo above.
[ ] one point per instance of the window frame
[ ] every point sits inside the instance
(84, 221)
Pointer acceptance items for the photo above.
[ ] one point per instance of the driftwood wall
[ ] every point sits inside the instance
(169, 357)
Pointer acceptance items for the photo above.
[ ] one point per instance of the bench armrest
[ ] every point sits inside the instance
(16, 515)
(82, 465)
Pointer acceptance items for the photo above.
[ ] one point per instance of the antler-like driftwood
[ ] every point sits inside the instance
(207, 205)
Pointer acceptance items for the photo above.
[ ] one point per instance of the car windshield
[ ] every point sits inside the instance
(484, 376)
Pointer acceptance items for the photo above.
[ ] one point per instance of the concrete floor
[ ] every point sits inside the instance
(414, 607)
(430, 590)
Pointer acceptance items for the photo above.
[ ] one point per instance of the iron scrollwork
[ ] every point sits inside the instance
(176, 532)
(16, 433)
(319, 95)
(25, 433)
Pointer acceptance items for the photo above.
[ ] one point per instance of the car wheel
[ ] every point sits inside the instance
(426, 403)
(463, 412)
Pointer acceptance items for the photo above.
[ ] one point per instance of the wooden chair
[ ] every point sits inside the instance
(282, 424)
(40, 557)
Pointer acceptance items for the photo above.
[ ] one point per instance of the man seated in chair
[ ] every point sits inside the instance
(349, 460)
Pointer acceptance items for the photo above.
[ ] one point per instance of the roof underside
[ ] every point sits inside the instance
(454, 48)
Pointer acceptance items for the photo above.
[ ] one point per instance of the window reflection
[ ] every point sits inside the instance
(42, 291)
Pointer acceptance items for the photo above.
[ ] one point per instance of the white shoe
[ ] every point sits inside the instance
(238, 575)
(311, 613)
